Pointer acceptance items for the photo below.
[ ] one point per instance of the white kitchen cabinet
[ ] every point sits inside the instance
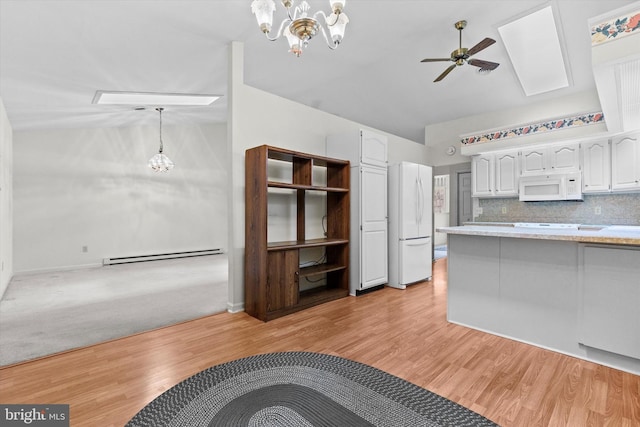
(533, 161)
(482, 167)
(596, 166)
(495, 175)
(610, 297)
(507, 173)
(367, 152)
(564, 158)
(625, 162)
(550, 159)
(359, 147)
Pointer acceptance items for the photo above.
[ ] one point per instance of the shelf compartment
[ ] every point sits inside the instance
(289, 155)
(310, 298)
(320, 269)
(300, 244)
(276, 184)
(323, 294)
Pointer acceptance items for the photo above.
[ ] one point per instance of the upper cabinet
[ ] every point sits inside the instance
(370, 149)
(482, 175)
(607, 163)
(625, 162)
(495, 175)
(507, 173)
(596, 166)
(553, 159)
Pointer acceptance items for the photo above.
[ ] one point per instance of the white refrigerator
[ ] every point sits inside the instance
(410, 223)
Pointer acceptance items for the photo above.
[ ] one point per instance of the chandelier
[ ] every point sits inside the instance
(160, 162)
(300, 26)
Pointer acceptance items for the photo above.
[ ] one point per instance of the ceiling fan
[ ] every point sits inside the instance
(462, 54)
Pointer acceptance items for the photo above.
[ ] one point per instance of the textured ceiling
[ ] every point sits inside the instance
(55, 54)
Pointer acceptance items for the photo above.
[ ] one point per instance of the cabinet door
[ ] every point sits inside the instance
(533, 161)
(506, 174)
(373, 149)
(596, 167)
(564, 158)
(282, 279)
(482, 176)
(610, 299)
(625, 156)
(374, 241)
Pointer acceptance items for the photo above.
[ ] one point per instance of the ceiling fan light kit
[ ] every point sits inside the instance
(300, 26)
(462, 55)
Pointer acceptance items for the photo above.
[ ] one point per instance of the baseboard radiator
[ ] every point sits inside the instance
(158, 257)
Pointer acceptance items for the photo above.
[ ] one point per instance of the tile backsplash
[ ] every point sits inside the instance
(619, 209)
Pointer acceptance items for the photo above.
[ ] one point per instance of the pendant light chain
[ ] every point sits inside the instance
(160, 111)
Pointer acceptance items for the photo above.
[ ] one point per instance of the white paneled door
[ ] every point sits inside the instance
(373, 202)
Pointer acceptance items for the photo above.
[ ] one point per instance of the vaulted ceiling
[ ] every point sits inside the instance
(55, 54)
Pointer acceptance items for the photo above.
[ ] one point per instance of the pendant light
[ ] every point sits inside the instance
(160, 162)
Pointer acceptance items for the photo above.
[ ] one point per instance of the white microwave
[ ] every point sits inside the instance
(562, 186)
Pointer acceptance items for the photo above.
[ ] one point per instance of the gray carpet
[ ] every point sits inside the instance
(46, 313)
(301, 389)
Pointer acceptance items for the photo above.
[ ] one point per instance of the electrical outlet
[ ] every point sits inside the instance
(597, 210)
(85, 249)
(504, 209)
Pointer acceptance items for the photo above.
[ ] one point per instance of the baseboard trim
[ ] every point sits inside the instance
(235, 308)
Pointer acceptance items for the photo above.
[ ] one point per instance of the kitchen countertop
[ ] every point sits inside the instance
(618, 235)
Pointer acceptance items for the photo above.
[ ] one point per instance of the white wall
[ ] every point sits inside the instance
(257, 118)
(440, 135)
(6, 200)
(93, 188)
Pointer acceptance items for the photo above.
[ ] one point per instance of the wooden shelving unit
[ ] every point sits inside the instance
(272, 269)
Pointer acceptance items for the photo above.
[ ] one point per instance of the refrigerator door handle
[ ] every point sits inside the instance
(417, 212)
(421, 200)
(423, 241)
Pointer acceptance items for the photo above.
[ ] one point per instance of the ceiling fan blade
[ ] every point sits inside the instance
(435, 59)
(480, 46)
(444, 74)
(486, 65)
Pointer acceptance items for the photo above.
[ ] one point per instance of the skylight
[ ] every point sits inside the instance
(152, 98)
(533, 46)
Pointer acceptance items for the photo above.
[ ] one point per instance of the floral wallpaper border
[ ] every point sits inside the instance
(616, 28)
(529, 129)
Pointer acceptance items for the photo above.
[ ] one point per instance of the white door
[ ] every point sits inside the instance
(409, 201)
(415, 260)
(373, 242)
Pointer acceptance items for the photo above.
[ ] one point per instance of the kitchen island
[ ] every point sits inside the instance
(573, 290)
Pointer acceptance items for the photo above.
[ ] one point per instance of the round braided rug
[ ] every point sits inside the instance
(301, 389)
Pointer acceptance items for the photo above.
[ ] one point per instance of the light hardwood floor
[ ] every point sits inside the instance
(402, 332)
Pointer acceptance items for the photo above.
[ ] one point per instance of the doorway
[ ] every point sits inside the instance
(465, 204)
